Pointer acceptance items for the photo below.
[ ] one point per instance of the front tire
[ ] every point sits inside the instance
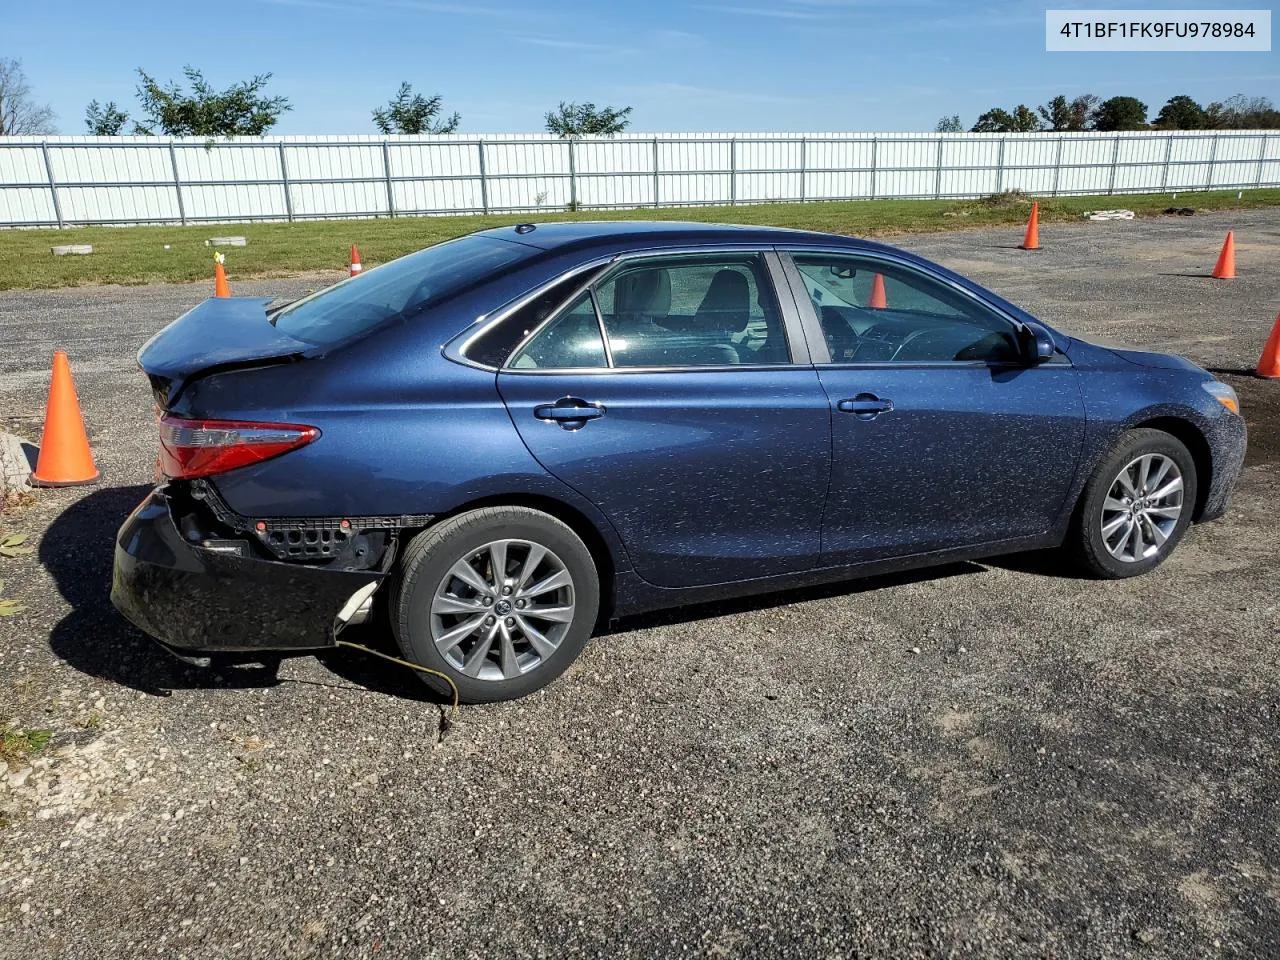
(501, 599)
(1136, 506)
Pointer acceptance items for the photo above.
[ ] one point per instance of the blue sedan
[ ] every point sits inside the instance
(502, 442)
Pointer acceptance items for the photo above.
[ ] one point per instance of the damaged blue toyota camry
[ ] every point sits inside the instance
(509, 439)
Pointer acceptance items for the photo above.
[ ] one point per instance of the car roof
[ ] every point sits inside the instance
(584, 235)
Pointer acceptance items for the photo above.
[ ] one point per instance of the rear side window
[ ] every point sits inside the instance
(571, 340)
(687, 311)
(397, 290)
(494, 345)
(703, 311)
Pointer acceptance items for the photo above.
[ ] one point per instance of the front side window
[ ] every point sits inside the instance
(876, 312)
(692, 312)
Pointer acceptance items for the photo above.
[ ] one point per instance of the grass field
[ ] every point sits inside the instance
(132, 255)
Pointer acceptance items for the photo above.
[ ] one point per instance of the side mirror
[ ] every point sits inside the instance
(1037, 344)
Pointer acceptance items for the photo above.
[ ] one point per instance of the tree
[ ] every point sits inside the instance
(582, 119)
(1243, 113)
(20, 115)
(1062, 114)
(1181, 113)
(1022, 120)
(949, 124)
(1120, 113)
(240, 110)
(409, 112)
(104, 120)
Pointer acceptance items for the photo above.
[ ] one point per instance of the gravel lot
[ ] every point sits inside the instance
(982, 760)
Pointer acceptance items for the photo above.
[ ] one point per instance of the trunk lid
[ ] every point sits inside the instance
(220, 334)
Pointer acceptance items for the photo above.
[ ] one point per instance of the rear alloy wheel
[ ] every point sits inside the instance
(501, 599)
(1137, 505)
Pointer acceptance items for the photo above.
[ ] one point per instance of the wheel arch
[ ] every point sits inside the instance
(1193, 438)
(601, 553)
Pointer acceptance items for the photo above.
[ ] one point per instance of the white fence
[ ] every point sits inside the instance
(58, 181)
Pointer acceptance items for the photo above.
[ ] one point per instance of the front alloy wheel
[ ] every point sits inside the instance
(1142, 508)
(1136, 506)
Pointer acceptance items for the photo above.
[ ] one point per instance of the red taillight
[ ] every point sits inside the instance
(198, 448)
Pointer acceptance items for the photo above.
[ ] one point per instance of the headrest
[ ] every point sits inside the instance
(727, 304)
(645, 292)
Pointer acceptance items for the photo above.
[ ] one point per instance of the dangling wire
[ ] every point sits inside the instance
(453, 710)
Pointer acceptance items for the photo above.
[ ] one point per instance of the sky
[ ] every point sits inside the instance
(735, 65)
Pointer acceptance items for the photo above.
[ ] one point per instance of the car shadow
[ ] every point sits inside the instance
(1044, 563)
(764, 601)
(77, 550)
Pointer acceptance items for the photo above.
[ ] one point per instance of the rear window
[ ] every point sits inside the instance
(397, 290)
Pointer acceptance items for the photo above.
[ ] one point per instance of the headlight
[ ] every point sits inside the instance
(1223, 394)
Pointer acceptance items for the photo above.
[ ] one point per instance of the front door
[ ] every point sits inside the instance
(685, 422)
(942, 436)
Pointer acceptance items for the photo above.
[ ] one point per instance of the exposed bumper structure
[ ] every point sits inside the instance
(207, 598)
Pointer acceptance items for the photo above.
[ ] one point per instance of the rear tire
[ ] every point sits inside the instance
(1136, 506)
(500, 599)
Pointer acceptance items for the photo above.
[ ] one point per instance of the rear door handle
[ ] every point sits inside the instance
(865, 406)
(571, 413)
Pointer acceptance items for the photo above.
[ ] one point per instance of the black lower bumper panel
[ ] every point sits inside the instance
(195, 599)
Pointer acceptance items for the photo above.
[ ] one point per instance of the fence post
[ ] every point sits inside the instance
(484, 179)
(573, 175)
(386, 176)
(1168, 159)
(284, 183)
(1213, 158)
(177, 183)
(1115, 159)
(733, 171)
(53, 184)
(1057, 167)
(875, 144)
(937, 180)
(655, 171)
(1262, 159)
(804, 162)
(1000, 167)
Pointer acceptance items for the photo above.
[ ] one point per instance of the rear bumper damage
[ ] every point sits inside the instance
(206, 595)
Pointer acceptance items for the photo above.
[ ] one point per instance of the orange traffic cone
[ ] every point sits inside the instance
(65, 458)
(355, 261)
(220, 287)
(1269, 362)
(1226, 266)
(1032, 240)
(877, 300)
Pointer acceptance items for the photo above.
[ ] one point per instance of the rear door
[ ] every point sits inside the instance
(942, 436)
(668, 395)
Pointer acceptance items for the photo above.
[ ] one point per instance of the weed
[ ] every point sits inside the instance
(18, 746)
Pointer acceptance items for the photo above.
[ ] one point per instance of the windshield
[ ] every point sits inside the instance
(396, 290)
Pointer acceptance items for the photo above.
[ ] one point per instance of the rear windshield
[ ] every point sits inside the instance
(396, 290)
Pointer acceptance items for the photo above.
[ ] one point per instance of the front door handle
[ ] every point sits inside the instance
(865, 406)
(570, 412)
